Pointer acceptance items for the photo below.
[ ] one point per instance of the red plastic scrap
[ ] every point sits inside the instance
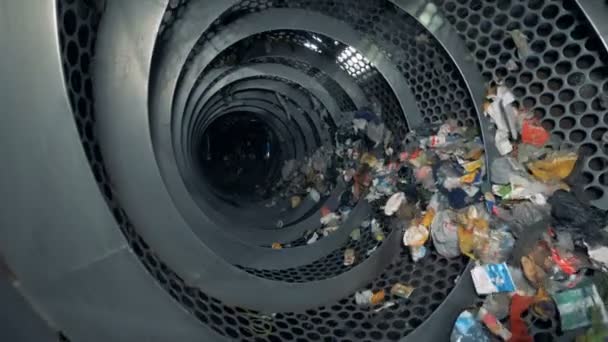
(534, 134)
(519, 329)
(568, 265)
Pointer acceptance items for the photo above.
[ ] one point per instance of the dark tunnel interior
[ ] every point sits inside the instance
(240, 155)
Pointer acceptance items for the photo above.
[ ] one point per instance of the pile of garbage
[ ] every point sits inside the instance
(358, 163)
(537, 246)
(308, 177)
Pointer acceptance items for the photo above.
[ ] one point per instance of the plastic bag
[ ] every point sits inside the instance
(519, 188)
(521, 42)
(502, 168)
(526, 153)
(534, 134)
(523, 215)
(580, 219)
(406, 211)
(496, 248)
(472, 231)
(577, 307)
(444, 232)
(555, 167)
(468, 329)
(503, 145)
(314, 195)
(418, 253)
(375, 132)
(415, 236)
(519, 328)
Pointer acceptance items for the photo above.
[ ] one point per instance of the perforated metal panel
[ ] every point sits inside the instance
(563, 79)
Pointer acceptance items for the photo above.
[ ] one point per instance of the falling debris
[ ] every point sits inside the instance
(512, 65)
(296, 201)
(521, 42)
(349, 257)
(394, 203)
(402, 291)
(369, 298)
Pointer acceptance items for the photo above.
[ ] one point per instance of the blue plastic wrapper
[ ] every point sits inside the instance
(468, 329)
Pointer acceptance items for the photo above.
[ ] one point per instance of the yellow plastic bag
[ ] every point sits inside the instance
(465, 241)
(468, 178)
(369, 159)
(555, 167)
(472, 232)
(428, 217)
(473, 166)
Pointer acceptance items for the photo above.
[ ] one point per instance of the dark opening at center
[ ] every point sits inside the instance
(240, 156)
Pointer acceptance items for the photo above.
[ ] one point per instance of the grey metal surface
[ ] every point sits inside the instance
(18, 319)
(596, 12)
(72, 231)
